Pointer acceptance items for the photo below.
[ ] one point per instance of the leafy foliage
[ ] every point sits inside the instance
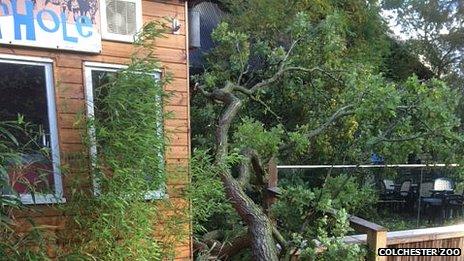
(15, 245)
(211, 209)
(340, 192)
(325, 100)
(118, 223)
(252, 134)
(434, 31)
(380, 111)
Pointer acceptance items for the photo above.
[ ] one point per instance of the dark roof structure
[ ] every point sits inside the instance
(204, 17)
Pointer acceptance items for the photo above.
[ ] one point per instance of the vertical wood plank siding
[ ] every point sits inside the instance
(69, 87)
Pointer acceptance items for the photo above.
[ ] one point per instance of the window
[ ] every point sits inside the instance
(121, 19)
(26, 89)
(96, 76)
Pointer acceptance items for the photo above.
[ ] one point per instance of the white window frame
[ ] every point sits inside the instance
(120, 37)
(58, 196)
(88, 68)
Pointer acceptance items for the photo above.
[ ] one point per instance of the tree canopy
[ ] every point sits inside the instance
(434, 31)
(305, 82)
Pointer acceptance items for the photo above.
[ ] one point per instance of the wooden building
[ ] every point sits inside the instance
(64, 41)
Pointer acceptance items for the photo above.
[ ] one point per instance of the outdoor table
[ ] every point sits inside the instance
(438, 196)
(392, 201)
(399, 185)
(442, 192)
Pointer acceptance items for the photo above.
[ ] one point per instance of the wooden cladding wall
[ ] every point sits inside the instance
(69, 89)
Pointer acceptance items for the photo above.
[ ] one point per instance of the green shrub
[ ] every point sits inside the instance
(13, 245)
(119, 222)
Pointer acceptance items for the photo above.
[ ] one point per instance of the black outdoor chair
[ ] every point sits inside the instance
(455, 204)
(405, 194)
(388, 188)
(405, 189)
(388, 196)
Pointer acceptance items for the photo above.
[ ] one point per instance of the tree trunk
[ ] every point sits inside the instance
(263, 246)
(259, 227)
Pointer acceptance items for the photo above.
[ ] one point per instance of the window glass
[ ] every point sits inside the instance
(99, 89)
(23, 92)
(100, 80)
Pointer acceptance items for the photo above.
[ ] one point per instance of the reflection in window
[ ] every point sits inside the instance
(100, 80)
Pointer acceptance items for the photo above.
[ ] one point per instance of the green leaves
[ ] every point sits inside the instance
(231, 56)
(210, 204)
(339, 110)
(306, 218)
(434, 34)
(409, 117)
(120, 223)
(301, 26)
(252, 134)
(299, 139)
(18, 138)
(127, 131)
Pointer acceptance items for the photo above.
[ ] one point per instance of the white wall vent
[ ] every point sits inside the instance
(121, 19)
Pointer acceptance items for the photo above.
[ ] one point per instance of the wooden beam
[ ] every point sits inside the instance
(364, 226)
(376, 236)
(376, 240)
(425, 234)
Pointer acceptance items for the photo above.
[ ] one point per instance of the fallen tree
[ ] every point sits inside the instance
(246, 70)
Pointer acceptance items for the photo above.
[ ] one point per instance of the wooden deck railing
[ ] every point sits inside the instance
(376, 236)
(438, 237)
